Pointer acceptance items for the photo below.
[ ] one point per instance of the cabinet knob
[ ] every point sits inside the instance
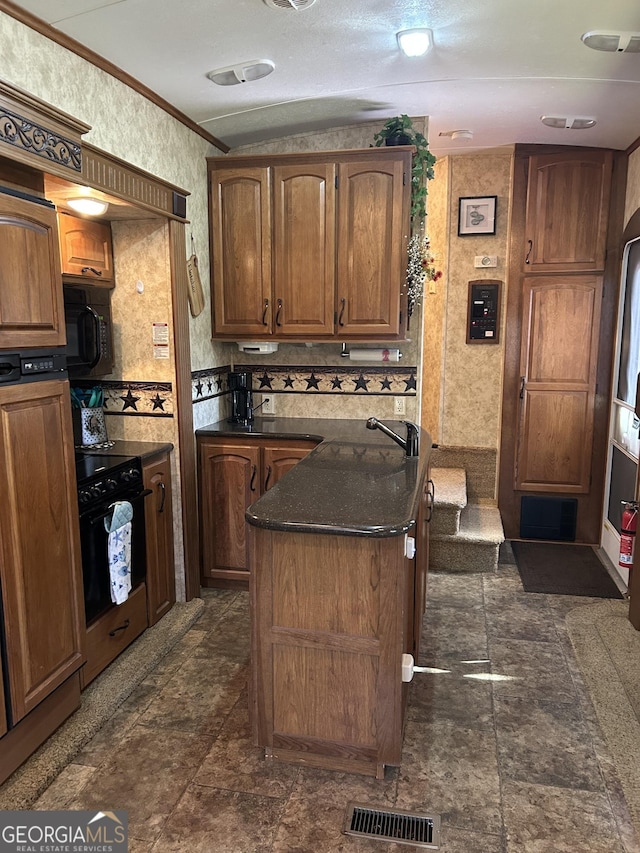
(343, 303)
(91, 269)
(264, 313)
(278, 312)
(530, 243)
(252, 484)
(163, 489)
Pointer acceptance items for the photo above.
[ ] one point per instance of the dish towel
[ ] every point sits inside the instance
(118, 526)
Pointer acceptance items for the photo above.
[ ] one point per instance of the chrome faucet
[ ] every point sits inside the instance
(410, 445)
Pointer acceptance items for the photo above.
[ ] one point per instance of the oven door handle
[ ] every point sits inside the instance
(96, 518)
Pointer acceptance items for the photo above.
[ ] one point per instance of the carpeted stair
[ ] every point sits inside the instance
(464, 537)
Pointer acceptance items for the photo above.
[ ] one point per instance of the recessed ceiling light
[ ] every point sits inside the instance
(568, 122)
(243, 72)
(88, 206)
(609, 40)
(415, 42)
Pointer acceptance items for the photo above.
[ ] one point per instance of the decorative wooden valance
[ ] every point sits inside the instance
(38, 134)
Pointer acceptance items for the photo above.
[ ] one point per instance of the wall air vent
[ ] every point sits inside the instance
(243, 72)
(611, 41)
(296, 5)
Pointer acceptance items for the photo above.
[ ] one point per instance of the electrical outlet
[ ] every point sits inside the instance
(398, 405)
(268, 406)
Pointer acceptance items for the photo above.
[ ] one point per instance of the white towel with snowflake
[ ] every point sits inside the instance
(118, 526)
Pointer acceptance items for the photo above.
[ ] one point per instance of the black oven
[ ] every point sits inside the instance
(102, 480)
(87, 314)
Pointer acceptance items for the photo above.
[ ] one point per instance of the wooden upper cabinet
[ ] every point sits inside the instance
(304, 249)
(40, 571)
(372, 243)
(241, 251)
(86, 248)
(310, 246)
(31, 306)
(567, 211)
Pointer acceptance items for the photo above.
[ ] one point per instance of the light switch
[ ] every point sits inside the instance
(485, 261)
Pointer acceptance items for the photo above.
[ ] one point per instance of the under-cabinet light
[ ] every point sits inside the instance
(88, 206)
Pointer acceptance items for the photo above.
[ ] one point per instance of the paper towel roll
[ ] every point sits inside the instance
(375, 355)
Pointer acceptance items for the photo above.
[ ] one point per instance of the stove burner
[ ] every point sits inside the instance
(86, 448)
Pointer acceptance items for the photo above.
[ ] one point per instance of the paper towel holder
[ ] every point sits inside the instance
(345, 352)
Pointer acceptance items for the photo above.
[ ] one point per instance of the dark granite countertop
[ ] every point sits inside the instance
(356, 482)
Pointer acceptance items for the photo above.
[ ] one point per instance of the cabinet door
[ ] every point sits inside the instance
(40, 574)
(304, 249)
(85, 247)
(31, 307)
(161, 587)
(559, 354)
(277, 461)
(241, 251)
(567, 211)
(229, 483)
(373, 224)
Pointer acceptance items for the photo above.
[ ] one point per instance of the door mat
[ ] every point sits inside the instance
(563, 570)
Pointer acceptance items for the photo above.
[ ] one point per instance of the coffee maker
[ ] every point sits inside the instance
(241, 397)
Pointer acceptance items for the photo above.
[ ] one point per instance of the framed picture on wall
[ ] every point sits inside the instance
(477, 215)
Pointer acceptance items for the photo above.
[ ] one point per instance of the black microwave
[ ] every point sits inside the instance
(87, 314)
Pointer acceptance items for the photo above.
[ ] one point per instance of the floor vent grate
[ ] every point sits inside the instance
(393, 825)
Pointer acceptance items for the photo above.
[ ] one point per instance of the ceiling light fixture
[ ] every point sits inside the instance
(243, 72)
(457, 134)
(88, 206)
(296, 5)
(609, 40)
(568, 122)
(415, 42)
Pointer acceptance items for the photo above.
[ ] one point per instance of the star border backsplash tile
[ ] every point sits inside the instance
(138, 399)
(210, 383)
(389, 380)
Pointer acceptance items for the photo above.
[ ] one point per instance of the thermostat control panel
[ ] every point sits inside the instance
(483, 312)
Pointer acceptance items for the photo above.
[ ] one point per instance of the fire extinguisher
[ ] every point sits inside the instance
(628, 534)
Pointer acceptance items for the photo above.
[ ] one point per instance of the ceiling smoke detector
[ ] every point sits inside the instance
(568, 122)
(296, 5)
(243, 72)
(611, 41)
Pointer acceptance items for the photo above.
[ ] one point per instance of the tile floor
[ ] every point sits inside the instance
(512, 766)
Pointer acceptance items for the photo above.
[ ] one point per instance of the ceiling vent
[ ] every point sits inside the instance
(611, 41)
(568, 122)
(244, 72)
(296, 5)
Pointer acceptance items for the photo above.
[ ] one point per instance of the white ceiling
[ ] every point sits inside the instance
(496, 66)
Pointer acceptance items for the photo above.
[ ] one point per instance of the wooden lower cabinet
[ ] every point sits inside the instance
(112, 632)
(42, 630)
(40, 574)
(329, 628)
(233, 474)
(161, 585)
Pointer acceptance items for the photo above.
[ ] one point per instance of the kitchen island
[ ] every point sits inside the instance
(337, 593)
